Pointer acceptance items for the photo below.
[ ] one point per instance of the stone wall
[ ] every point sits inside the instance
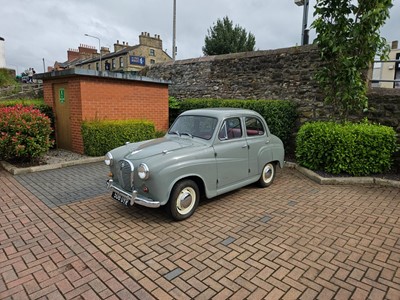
(282, 74)
(22, 91)
(384, 107)
(272, 74)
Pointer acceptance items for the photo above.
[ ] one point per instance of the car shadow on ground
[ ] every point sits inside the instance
(161, 214)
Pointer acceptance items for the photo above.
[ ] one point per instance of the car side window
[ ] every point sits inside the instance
(254, 126)
(230, 129)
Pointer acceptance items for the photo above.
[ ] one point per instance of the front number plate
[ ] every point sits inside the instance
(121, 198)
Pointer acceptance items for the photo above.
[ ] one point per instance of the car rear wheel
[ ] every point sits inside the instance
(184, 199)
(267, 175)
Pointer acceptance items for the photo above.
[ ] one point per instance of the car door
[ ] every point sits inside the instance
(231, 154)
(258, 144)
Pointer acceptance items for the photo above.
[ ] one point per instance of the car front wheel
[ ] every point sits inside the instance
(267, 175)
(184, 199)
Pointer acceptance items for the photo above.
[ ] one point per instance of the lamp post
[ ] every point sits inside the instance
(304, 30)
(95, 37)
(174, 32)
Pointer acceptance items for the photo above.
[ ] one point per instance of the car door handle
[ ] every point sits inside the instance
(245, 146)
(267, 141)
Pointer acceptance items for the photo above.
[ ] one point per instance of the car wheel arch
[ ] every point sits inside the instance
(197, 179)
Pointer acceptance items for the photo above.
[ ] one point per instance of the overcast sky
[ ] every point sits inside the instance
(45, 29)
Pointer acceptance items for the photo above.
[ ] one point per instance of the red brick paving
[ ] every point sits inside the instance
(293, 240)
(43, 256)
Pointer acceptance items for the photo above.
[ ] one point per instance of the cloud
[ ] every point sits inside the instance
(39, 29)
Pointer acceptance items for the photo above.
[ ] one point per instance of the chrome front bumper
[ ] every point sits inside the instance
(134, 198)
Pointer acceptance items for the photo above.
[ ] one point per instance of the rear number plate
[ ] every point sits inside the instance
(121, 198)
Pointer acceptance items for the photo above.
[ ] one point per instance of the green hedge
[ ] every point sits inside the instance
(99, 137)
(280, 115)
(355, 149)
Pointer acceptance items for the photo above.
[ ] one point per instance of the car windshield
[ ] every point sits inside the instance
(194, 126)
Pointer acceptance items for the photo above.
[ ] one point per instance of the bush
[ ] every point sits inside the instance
(174, 109)
(36, 103)
(280, 115)
(355, 149)
(99, 137)
(159, 133)
(6, 79)
(24, 133)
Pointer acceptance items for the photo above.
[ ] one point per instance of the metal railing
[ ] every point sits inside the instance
(396, 71)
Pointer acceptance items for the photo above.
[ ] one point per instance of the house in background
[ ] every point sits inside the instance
(124, 58)
(385, 73)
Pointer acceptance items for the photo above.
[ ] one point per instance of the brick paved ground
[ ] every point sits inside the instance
(67, 185)
(294, 240)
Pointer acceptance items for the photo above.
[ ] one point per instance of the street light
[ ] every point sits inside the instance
(304, 30)
(95, 37)
(174, 31)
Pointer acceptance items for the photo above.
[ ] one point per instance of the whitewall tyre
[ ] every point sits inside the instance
(267, 175)
(184, 199)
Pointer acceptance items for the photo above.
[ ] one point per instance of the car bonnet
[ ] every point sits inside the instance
(159, 146)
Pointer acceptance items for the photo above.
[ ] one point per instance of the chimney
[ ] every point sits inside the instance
(146, 40)
(86, 51)
(395, 45)
(118, 46)
(72, 54)
(105, 50)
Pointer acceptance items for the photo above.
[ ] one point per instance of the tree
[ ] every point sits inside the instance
(348, 39)
(225, 38)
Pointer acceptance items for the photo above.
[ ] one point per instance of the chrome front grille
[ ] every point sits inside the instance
(125, 174)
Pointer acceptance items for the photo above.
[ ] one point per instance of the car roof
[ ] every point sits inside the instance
(221, 112)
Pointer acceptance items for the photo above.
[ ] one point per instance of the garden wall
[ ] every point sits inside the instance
(282, 74)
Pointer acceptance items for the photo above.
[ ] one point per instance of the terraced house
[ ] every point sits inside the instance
(124, 58)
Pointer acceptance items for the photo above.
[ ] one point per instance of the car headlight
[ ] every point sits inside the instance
(108, 159)
(143, 171)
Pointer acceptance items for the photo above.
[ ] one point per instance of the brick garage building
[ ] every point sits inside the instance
(78, 95)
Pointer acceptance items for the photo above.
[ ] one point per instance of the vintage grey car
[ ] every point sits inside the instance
(205, 153)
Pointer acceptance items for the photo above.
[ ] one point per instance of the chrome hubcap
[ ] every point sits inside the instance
(186, 200)
(268, 173)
